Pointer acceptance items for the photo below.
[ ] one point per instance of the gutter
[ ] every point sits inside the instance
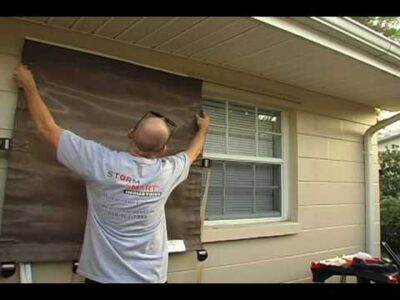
(370, 199)
(344, 36)
(357, 34)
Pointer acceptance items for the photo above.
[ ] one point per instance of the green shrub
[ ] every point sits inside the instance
(390, 221)
(389, 181)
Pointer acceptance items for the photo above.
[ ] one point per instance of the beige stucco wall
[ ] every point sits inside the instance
(326, 172)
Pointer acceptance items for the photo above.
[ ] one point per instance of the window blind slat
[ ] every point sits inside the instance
(242, 142)
(238, 200)
(215, 142)
(243, 189)
(264, 200)
(215, 201)
(241, 117)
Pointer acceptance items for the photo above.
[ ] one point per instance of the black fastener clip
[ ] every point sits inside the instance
(202, 254)
(7, 269)
(5, 144)
(75, 265)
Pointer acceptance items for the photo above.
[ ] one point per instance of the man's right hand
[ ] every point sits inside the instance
(203, 120)
(38, 110)
(197, 144)
(24, 78)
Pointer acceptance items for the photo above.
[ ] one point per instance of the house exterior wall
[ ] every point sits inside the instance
(389, 143)
(327, 212)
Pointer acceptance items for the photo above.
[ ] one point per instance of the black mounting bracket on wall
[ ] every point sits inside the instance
(206, 163)
(202, 254)
(7, 269)
(5, 144)
(75, 265)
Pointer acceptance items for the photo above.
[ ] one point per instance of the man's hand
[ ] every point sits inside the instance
(38, 110)
(203, 120)
(197, 144)
(24, 78)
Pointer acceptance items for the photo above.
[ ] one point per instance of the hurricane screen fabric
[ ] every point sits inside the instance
(97, 98)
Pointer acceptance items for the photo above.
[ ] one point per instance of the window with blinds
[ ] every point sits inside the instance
(245, 146)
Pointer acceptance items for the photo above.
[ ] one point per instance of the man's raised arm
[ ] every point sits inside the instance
(38, 110)
(197, 144)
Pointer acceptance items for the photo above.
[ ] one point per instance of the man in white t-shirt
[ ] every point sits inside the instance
(125, 235)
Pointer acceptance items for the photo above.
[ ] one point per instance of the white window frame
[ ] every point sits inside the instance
(284, 162)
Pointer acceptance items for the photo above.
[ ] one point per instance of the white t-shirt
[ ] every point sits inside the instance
(126, 235)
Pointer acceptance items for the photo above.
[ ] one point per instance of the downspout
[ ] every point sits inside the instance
(370, 200)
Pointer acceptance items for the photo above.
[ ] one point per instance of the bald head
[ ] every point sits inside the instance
(151, 134)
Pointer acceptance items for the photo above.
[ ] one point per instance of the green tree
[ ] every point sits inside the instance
(388, 26)
(390, 221)
(389, 181)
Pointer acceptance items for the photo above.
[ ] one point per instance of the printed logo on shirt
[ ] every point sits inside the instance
(134, 187)
(145, 190)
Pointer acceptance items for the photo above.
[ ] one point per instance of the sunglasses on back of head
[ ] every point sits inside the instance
(171, 125)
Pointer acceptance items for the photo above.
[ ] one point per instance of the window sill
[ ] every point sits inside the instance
(228, 232)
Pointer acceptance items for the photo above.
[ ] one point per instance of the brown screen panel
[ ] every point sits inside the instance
(98, 98)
